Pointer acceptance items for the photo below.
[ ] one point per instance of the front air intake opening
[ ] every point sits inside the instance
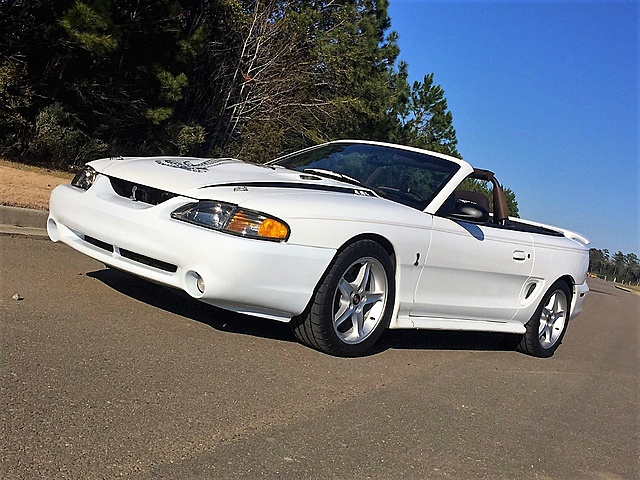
(139, 193)
(151, 262)
(99, 243)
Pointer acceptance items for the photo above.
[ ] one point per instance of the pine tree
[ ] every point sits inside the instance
(425, 120)
(102, 76)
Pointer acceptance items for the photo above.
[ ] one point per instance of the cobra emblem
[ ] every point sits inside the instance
(200, 167)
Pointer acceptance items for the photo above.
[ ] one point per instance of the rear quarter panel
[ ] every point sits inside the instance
(555, 257)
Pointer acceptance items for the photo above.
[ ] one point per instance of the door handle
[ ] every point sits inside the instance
(519, 255)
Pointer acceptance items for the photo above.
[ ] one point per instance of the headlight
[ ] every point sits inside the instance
(229, 218)
(84, 178)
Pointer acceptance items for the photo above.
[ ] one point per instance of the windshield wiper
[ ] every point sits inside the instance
(336, 176)
(343, 178)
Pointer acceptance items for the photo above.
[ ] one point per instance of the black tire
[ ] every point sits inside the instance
(352, 304)
(548, 325)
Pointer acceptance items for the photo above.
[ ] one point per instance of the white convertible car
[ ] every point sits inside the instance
(341, 240)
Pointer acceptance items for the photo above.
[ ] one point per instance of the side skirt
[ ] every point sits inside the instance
(434, 323)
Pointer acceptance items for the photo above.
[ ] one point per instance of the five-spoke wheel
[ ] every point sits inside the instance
(353, 302)
(552, 319)
(549, 323)
(360, 300)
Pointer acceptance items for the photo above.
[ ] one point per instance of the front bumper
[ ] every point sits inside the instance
(268, 279)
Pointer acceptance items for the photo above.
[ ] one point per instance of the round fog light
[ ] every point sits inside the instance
(200, 283)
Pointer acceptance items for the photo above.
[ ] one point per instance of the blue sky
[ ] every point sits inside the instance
(545, 94)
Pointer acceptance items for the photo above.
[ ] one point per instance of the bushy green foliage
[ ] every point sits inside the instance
(101, 76)
(259, 77)
(189, 138)
(244, 78)
(89, 25)
(16, 96)
(56, 135)
(59, 137)
(158, 115)
(170, 85)
(619, 267)
(425, 120)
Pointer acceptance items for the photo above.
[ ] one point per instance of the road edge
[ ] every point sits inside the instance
(23, 221)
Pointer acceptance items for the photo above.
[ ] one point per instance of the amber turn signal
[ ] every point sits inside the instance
(271, 228)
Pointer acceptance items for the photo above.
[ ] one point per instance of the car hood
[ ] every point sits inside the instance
(192, 177)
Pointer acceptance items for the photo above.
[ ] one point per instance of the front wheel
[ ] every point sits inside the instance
(547, 326)
(353, 302)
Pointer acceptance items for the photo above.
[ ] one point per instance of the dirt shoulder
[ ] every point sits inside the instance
(28, 187)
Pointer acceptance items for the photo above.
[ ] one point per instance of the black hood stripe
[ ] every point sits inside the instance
(299, 186)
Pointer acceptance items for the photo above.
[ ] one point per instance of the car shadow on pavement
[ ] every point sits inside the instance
(179, 303)
(445, 340)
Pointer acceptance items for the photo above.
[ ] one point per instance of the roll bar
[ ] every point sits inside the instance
(500, 210)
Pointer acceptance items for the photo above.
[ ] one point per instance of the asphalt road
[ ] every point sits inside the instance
(105, 375)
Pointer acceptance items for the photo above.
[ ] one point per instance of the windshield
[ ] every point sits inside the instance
(410, 178)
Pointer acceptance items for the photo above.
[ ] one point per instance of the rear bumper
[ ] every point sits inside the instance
(273, 280)
(579, 295)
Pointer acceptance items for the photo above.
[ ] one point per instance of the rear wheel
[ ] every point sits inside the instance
(547, 326)
(352, 304)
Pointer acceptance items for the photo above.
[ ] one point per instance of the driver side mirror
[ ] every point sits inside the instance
(469, 212)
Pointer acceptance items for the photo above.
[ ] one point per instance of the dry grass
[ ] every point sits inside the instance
(27, 186)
